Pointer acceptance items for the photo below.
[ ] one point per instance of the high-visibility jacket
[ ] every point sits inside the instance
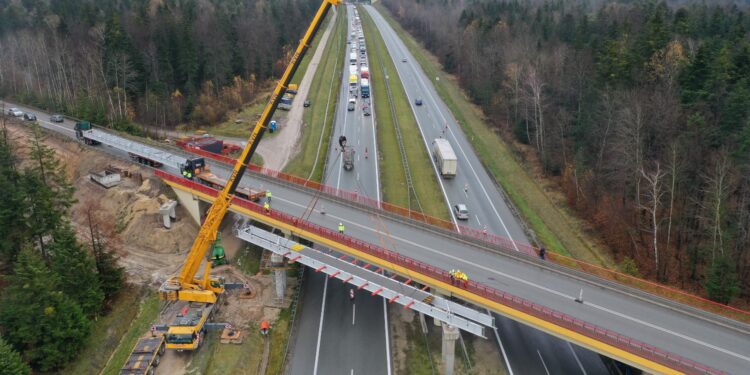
(341, 228)
(268, 194)
(266, 206)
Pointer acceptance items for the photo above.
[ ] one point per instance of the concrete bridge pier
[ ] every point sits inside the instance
(167, 211)
(450, 335)
(191, 203)
(279, 273)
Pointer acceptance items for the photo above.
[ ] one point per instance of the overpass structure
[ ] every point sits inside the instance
(684, 341)
(661, 336)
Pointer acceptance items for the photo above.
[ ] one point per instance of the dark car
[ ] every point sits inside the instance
(29, 116)
(366, 110)
(306, 103)
(350, 107)
(418, 101)
(56, 118)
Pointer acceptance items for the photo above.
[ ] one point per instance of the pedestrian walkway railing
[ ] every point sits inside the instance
(437, 276)
(501, 242)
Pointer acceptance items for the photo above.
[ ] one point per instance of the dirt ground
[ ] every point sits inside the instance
(149, 252)
(277, 151)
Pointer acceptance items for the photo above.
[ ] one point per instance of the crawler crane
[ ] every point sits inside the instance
(200, 295)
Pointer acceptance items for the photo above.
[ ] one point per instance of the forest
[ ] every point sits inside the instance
(52, 285)
(158, 63)
(638, 110)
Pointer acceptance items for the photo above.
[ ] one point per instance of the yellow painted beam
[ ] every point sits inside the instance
(520, 316)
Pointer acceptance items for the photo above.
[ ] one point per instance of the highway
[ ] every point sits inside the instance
(347, 337)
(676, 328)
(527, 350)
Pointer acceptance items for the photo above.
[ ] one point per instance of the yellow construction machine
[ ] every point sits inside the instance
(199, 296)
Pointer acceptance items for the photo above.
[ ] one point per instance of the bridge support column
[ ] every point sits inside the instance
(191, 204)
(450, 335)
(167, 211)
(279, 276)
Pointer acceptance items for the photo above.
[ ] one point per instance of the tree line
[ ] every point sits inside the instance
(53, 286)
(640, 110)
(158, 63)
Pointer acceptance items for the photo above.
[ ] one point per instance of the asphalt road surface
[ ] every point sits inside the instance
(527, 350)
(677, 329)
(343, 336)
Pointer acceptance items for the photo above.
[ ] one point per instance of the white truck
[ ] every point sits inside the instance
(445, 158)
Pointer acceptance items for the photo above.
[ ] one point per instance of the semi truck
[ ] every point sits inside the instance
(445, 158)
(365, 88)
(352, 80)
(145, 356)
(353, 57)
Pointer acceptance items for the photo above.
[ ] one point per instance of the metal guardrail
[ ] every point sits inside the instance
(488, 293)
(730, 316)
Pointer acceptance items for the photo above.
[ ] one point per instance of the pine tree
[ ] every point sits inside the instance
(77, 271)
(722, 283)
(12, 225)
(38, 319)
(48, 193)
(10, 361)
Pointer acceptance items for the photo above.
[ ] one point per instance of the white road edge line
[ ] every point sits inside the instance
(387, 341)
(583, 370)
(557, 293)
(320, 326)
(502, 347)
(354, 312)
(543, 364)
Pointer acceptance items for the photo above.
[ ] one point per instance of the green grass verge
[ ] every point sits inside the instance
(317, 121)
(148, 311)
(248, 259)
(279, 337)
(106, 333)
(305, 63)
(557, 229)
(393, 181)
(249, 116)
(217, 358)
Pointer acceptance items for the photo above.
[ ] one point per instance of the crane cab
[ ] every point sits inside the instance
(193, 167)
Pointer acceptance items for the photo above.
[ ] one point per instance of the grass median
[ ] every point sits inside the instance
(553, 225)
(318, 118)
(393, 180)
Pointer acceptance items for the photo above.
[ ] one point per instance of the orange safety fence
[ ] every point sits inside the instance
(500, 241)
(598, 333)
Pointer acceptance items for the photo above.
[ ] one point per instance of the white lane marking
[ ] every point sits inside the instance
(650, 325)
(420, 81)
(502, 347)
(354, 312)
(537, 286)
(320, 326)
(478, 222)
(387, 340)
(352, 372)
(583, 370)
(543, 364)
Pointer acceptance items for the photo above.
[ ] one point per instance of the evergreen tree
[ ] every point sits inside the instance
(722, 283)
(12, 226)
(10, 361)
(77, 271)
(111, 276)
(48, 193)
(38, 319)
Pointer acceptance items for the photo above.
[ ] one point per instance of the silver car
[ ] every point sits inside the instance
(462, 213)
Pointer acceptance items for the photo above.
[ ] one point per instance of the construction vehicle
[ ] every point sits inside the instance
(145, 356)
(200, 295)
(218, 257)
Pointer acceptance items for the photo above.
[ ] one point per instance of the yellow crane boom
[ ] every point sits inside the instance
(186, 287)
